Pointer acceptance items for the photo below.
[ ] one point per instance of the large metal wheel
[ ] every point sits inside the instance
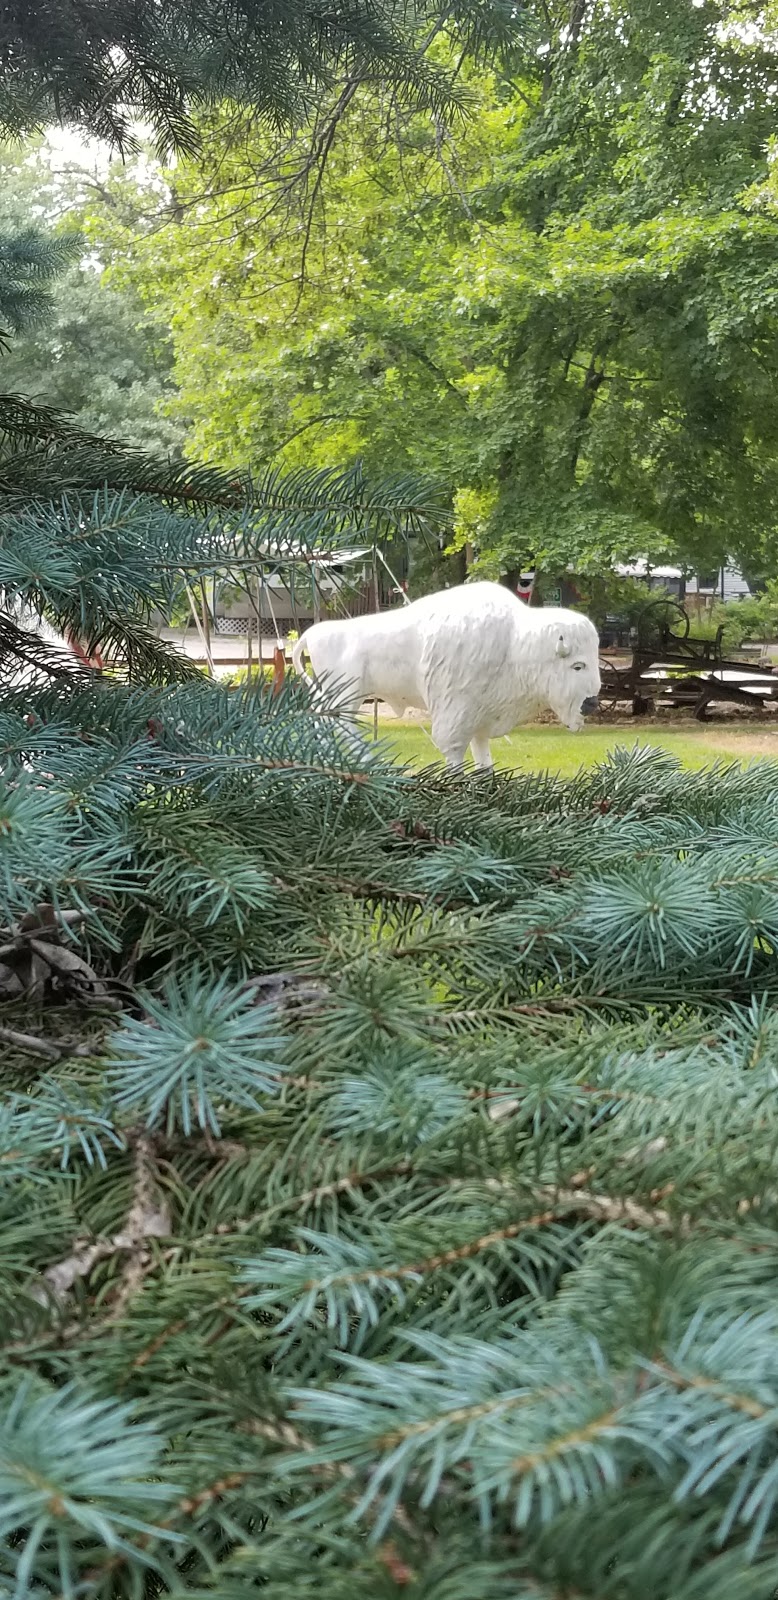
(662, 620)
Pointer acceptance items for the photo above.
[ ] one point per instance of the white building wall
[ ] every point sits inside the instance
(730, 585)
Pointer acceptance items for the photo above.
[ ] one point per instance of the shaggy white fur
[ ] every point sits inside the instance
(475, 657)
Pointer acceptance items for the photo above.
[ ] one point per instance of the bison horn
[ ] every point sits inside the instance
(562, 649)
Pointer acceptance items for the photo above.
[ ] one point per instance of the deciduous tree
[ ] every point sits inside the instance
(566, 306)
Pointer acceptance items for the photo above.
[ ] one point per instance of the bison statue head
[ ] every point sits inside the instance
(573, 671)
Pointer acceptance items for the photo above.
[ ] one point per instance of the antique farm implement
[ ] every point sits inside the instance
(670, 668)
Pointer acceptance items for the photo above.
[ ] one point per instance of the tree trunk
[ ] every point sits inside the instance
(594, 378)
(578, 12)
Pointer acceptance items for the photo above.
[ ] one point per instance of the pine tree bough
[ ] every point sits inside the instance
(426, 1169)
(148, 1218)
(97, 65)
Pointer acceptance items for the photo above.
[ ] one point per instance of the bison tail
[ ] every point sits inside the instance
(298, 651)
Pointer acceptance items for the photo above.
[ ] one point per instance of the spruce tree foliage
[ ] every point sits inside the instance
(388, 1164)
(96, 539)
(30, 263)
(99, 64)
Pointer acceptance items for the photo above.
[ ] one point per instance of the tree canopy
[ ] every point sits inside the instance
(90, 350)
(564, 306)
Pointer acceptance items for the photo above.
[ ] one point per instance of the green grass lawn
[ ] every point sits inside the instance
(554, 749)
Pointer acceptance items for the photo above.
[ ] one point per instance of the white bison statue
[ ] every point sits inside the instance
(475, 657)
